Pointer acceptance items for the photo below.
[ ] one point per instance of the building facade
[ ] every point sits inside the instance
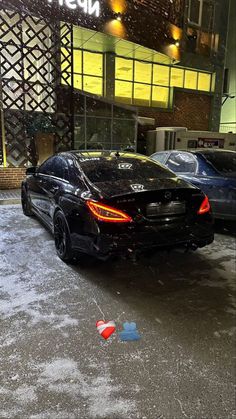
(228, 114)
(84, 73)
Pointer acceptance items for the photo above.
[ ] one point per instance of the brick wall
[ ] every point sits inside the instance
(191, 110)
(11, 178)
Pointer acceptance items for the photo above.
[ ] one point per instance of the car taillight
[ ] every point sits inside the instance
(105, 213)
(205, 206)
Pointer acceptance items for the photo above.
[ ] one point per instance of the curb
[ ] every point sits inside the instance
(10, 201)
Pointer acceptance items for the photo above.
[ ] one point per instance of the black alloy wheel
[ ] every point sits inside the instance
(25, 202)
(62, 238)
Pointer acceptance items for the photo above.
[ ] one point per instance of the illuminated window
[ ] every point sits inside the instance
(160, 97)
(204, 82)
(123, 91)
(142, 94)
(190, 79)
(124, 69)
(161, 75)
(177, 77)
(65, 60)
(93, 85)
(77, 81)
(77, 61)
(93, 63)
(143, 72)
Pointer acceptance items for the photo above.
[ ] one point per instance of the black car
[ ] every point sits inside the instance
(103, 203)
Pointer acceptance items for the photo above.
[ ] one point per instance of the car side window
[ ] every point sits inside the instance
(55, 166)
(182, 163)
(47, 168)
(61, 169)
(160, 157)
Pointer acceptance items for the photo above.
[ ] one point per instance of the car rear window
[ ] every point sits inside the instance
(128, 169)
(223, 162)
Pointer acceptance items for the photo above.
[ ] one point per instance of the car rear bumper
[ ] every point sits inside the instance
(104, 244)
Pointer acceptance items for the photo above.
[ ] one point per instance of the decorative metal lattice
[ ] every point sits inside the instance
(16, 139)
(30, 69)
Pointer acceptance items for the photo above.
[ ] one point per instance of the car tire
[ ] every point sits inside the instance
(62, 238)
(26, 204)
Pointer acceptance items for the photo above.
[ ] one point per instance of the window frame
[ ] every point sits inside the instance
(199, 15)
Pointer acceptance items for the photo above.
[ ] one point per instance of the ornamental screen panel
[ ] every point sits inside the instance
(27, 59)
(30, 71)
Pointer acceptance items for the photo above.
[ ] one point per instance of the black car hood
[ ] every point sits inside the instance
(126, 187)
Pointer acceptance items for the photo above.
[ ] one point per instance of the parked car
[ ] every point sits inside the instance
(103, 203)
(211, 170)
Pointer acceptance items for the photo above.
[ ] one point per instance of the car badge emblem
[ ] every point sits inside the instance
(137, 187)
(126, 166)
(167, 195)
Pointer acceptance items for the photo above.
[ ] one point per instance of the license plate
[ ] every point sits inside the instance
(170, 208)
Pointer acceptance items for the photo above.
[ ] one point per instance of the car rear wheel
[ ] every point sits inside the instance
(25, 202)
(62, 238)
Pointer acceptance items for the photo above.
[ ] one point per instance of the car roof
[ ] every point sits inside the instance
(197, 151)
(81, 155)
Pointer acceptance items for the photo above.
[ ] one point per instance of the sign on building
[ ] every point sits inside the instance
(90, 7)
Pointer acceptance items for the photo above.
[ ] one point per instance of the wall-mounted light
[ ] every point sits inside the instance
(118, 17)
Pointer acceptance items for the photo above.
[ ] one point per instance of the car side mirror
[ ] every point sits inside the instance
(31, 171)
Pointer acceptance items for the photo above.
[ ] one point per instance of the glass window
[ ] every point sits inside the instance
(182, 163)
(124, 69)
(177, 77)
(60, 168)
(123, 134)
(204, 82)
(123, 91)
(143, 72)
(159, 157)
(79, 133)
(190, 81)
(207, 15)
(194, 11)
(47, 168)
(223, 161)
(65, 60)
(98, 133)
(93, 63)
(160, 97)
(123, 169)
(66, 78)
(142, 94)
(77, 61)
(77, 81)
(161, 75)
(98, 108)
(93, 85)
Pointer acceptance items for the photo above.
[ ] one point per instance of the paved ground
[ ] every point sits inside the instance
(54, 364)
(12, 196)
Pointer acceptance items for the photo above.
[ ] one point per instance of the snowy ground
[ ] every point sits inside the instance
(54, 364)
